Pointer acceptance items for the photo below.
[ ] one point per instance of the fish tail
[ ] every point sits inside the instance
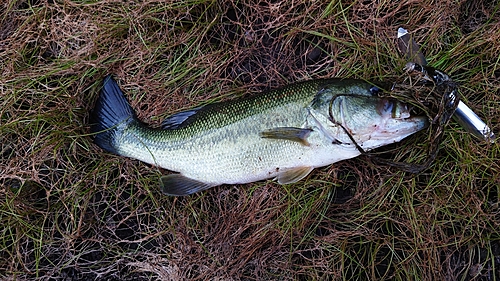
(111, 114)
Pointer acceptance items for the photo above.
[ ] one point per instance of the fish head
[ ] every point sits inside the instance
(369, 120)
(373, 122)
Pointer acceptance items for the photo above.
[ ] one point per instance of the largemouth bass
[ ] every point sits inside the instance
(282, 134)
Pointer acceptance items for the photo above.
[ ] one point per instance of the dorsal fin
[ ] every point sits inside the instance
(177, 120)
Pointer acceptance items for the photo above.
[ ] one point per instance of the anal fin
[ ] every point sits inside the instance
(288, 133)
(179, 185)
(292, 175)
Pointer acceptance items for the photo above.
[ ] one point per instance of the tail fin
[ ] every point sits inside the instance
(111, 110)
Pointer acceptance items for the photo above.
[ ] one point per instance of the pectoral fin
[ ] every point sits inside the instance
(288, 133)
(293, 174)
(179, 185)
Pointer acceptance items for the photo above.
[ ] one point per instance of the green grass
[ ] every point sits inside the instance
(71, 211)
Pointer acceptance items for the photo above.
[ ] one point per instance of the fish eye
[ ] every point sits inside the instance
(374, 90)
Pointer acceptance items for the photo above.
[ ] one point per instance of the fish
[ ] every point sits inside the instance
(281, 134)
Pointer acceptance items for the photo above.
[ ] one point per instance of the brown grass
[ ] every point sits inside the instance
(71, 211)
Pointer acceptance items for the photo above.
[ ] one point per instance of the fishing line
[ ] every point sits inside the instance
(433, 84)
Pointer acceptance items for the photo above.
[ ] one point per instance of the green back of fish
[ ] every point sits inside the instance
(222, 114)
(218, 115)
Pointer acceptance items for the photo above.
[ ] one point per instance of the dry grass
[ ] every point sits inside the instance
(70, 211)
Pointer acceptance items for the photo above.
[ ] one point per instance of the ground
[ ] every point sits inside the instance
(70, 211)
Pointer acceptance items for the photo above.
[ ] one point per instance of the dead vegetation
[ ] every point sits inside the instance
(70, 211)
